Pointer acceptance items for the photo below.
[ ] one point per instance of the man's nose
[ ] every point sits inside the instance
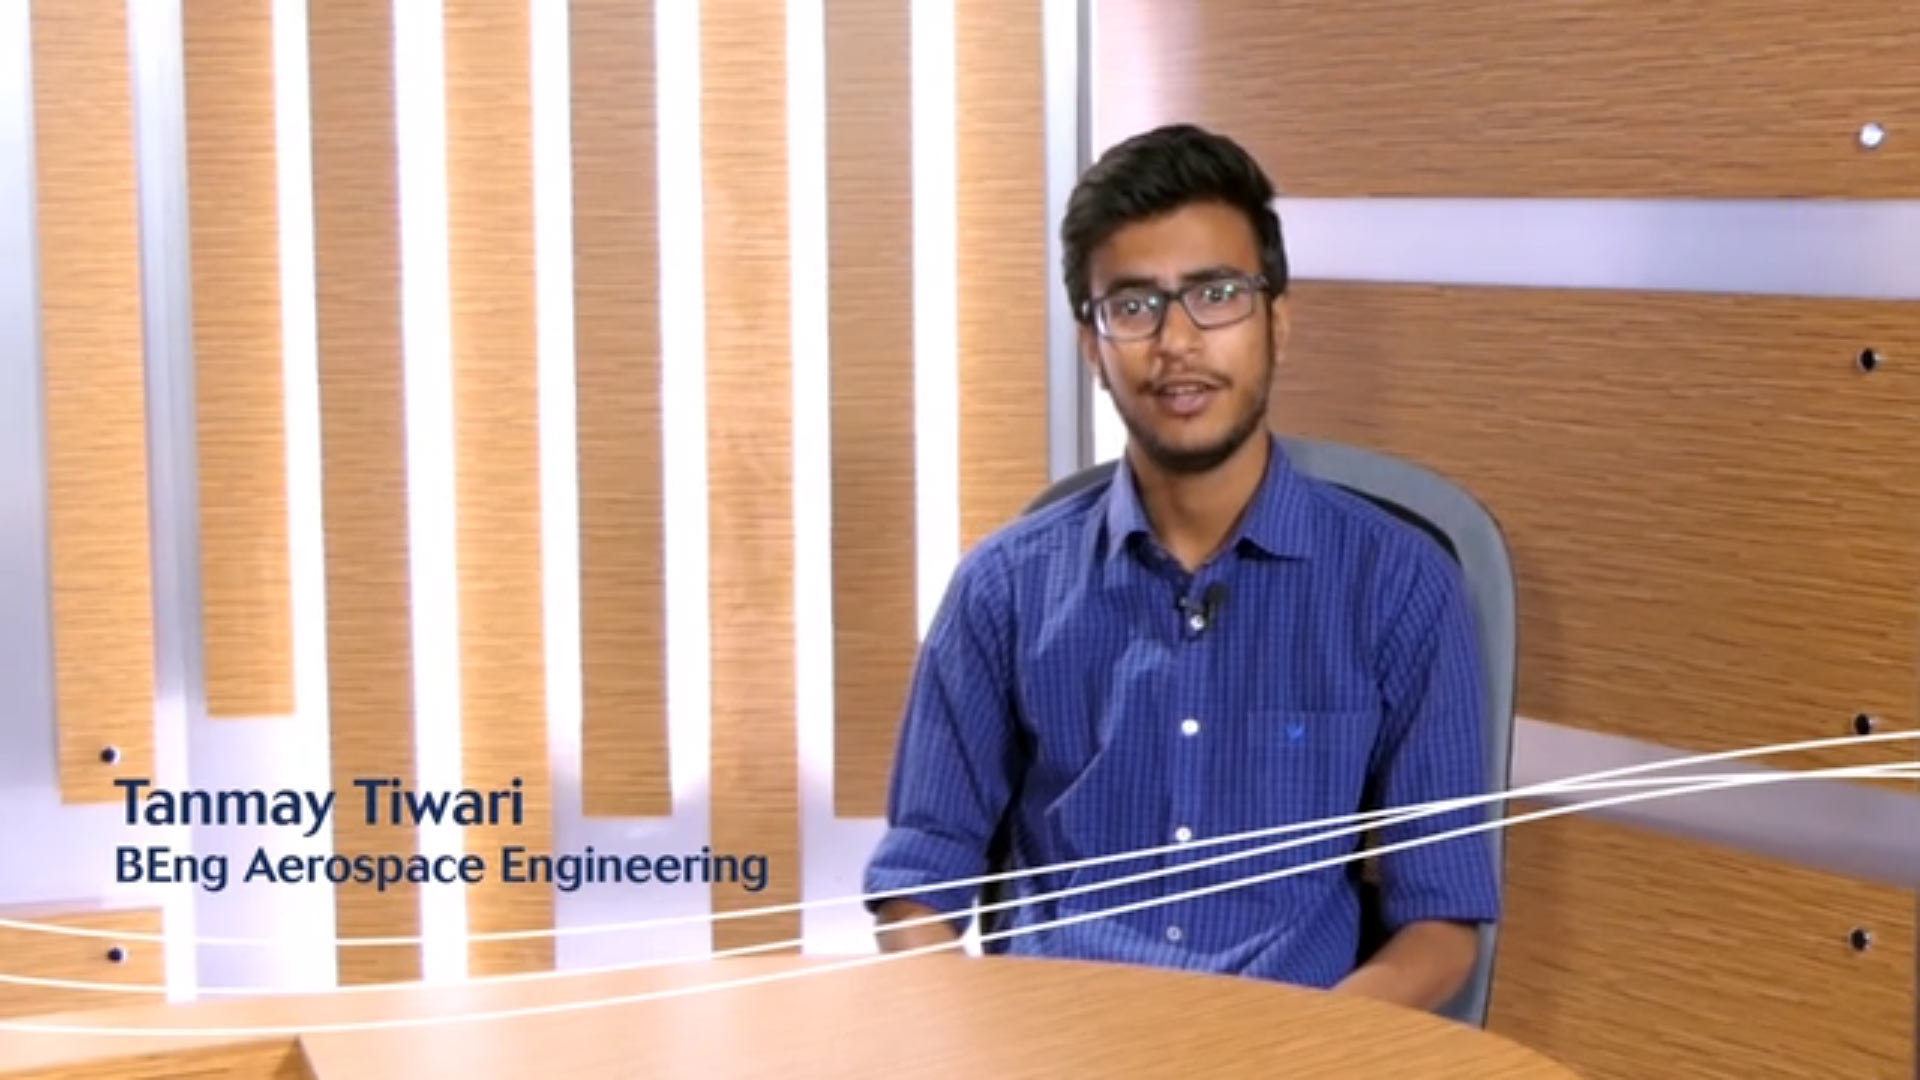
(1178, 334)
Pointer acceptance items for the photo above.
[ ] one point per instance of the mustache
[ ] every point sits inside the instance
(1186, 378)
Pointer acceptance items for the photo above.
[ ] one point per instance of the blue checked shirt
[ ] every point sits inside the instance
(1062, 686)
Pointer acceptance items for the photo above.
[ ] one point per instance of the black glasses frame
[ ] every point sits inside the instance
(1162, 300)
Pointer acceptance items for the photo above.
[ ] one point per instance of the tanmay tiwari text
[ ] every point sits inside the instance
(388, 802)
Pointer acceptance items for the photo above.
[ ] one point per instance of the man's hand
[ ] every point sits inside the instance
(928, 934)
(1422, 966)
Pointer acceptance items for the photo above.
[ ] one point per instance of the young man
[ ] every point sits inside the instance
(1212, 644)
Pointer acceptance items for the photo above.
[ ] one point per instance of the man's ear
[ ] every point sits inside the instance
(1282, 326)
(1090, 355)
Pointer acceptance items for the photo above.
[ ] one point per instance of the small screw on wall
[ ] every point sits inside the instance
(1864, 723)
(110, 755)
(1869, 360)
(1872, 135)
(1860, 938)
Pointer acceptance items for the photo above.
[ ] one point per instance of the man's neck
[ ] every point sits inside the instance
(1193, 514)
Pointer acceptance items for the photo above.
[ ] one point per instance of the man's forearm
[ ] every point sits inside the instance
(1422, 966)
(927, 934)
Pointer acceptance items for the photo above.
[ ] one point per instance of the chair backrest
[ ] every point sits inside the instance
(1463, 527)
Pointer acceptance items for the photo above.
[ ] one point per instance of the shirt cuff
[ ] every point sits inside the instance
(919, 866)
(1453, 880)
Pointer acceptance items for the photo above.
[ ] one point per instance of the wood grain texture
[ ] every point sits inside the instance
(41, 954)
(356, 219)
(246, 586)
(1573, 98)
(496, 406)
(1003, 276)
(923, 1016)
(616, 303)
(754, 765)
(93, 368)
(1712, 513)
(273, 1058)
(1627, 955)
(870, 327)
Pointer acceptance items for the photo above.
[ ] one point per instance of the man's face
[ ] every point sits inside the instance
(1190, 395)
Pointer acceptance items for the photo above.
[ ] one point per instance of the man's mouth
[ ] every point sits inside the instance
(1186, 397)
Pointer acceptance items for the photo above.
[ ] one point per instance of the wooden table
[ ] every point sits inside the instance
(942, 1016)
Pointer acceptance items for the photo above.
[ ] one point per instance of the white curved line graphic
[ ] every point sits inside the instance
(1898, 770)
(28, 1027)
(1370, 817)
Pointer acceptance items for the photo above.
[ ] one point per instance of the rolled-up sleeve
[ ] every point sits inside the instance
(1433, 747)
(956, 759)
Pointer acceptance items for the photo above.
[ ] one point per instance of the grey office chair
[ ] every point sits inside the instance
(1468, 532)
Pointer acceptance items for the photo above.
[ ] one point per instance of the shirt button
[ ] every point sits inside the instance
(1189, 727)
(1182, 834)
(1174, 933)
(1196, 623)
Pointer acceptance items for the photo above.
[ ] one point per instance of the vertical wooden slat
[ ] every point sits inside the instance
(870, 324)
(1004, 278)
(755, 784)
(245, 565)
(94, 375)
(624, 764)
(496, 391)
(364, 456)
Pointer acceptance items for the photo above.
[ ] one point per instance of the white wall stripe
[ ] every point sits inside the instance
(420, 87)
(1069, 432)
(559, 472)
(1830, 248)
(306, 529)
(936, 314)
(683, 396)
(154, 42)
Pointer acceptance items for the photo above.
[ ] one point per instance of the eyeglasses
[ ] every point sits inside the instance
(1137, 312)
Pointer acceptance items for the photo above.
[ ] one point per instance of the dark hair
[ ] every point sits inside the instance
(1157, 172)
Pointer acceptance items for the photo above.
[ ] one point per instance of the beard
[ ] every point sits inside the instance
(1191, 460)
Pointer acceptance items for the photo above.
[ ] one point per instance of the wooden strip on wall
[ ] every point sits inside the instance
(1712, 512)
(49, 954)
(755, 769)
(496, 388)
(1004, 278)
(616, 298)
(94, 375)
(240, 398)
(1738, 99)
(364, 457)
(870, 327)
(1627, 954)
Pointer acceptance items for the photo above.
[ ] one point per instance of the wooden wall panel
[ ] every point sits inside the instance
(1004, 277)
(240, 400)
(88, 958)
(1712, 513)
(364, 455)
(1740, 99)
(94, 375)
(1627, 955)
(496, 390)
(870, 315)
(755, 771)
(616, 297)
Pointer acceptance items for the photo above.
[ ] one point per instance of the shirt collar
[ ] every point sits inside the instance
(1275, 524)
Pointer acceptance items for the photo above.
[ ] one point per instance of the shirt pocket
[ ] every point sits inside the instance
(1305, 768)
